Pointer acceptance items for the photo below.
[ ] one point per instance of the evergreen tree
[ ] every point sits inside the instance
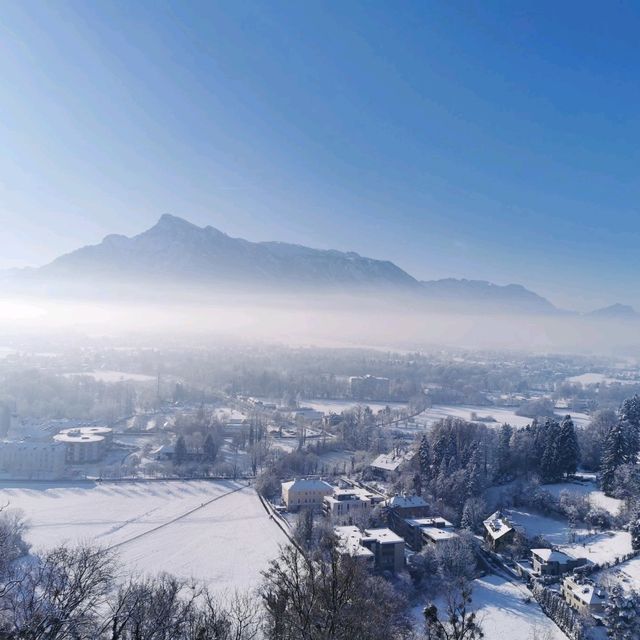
(614, 455)
(180, 451)
(424, 456)
(550, 464)
(474, 474)
(503, 462)
(630, 419)
(634, 530)
(568, 448)
(209, 449)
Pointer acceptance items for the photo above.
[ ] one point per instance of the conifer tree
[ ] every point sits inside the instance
(614, 455)
(550, 463)
(568, 448)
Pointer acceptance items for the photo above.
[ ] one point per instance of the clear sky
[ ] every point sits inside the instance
(490, 140)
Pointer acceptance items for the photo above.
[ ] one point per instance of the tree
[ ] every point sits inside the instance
(503, 455)
(630, 419)
(568, 449)
(634, 529)
(550, 462)
(325, 595)
(209, 449)
(614, 455)
(424, 456)
(180, 451)
(460, 623)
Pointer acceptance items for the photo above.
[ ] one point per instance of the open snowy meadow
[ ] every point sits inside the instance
(217, 532)
(505, 610)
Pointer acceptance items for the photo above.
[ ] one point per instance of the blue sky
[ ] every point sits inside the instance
(495, 140)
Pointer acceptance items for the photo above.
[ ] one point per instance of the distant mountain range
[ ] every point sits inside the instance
(178, 255)
(623, 311)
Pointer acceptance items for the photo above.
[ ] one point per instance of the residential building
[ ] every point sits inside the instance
(32, 460)
(412, 530)
(499, 532)
(435, 536)
(549, 562)
(349, 542)
(385, 549)
(347, 506)
(583, 595)
(305, 493)
(386, 464)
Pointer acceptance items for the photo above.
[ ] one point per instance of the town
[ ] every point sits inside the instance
(488, 504)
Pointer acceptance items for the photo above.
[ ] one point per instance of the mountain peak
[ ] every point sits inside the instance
(616, 310)
(169, 221)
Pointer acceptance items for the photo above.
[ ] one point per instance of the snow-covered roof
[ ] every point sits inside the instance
(383, 535)
(549, 555)
(497, 525)
(405, 502)
(435, 521)
(307, 484)
(349, 541)
(389, 461)
(585, 591)
(436, 534)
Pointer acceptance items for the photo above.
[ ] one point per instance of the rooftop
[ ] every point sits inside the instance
(400, 502)
(435, 521)
(497, 525)
(350, 538)
(383, 536)
(436, 534)
(549, 555)
(307, 484)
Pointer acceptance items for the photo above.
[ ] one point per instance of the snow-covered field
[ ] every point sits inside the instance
(338, 406)
(598, 547)
(596, 497)
(113, 376)
(226, 540)
(499, 414)
(627, 575)
(598, 378)
(504, 612)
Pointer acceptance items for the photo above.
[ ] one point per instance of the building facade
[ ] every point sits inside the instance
(305, 493)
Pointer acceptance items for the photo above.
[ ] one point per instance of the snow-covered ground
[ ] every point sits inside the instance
(503, 611)
(627, 575)
(113, 376)
(596, 497)
(598, 547)
(226, 541)
(598, 378)
(499, 414)
(338, 406)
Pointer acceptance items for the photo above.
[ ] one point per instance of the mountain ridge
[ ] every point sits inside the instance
(177, 252)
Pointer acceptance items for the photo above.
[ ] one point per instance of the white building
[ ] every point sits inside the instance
(32, 460)
(84, 444)
(347, 506)
(305, 493)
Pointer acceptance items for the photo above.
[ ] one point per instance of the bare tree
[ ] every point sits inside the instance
(460, 623)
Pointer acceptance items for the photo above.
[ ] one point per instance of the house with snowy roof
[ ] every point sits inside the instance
(499, 532)
(305, 493)
(386, 464)
(383, 546)
(550, 562)
(584, 595)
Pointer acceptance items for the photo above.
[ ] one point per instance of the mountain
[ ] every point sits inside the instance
(177, 256)
(176, 251)
(481, 294)
(620, 311)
